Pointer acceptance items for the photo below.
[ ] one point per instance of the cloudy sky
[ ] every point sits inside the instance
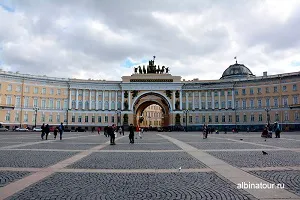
(104, 39)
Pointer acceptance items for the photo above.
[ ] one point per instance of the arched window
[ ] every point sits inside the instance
(100, 105)
(112, 105)
(80, 105)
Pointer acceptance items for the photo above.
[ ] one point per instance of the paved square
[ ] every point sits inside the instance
(179, 165)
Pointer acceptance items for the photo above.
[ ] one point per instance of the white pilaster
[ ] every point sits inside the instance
(193, 106)
(219, 100)
(97, 96)
(186, 100)
(76, 99)
(232, 99)
(83, 99)
(129, 100)
(90, 100)
(103, 99)
(174, 108)
(116, 101)
(180, 99)
(200, 101)
(206, 102)
(213, 100)
(226, 99)
(70, 99)
(122, 103)
(109, 100)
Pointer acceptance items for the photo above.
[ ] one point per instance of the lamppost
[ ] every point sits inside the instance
(118, 112)
(268, 115)
(35, 108)
(186, 120)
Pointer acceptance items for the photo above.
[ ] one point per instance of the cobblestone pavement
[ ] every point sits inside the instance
(132, 186)
(120, 178)
(290, 179)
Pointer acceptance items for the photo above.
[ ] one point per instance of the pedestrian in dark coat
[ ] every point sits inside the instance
(55, 132)
(111, 133)
(43, 131)
(47, 131)
(131, 134)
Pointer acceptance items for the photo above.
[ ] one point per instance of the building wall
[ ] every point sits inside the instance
(153, 116)
(58, 100)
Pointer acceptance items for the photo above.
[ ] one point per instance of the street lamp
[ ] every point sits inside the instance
(268, 115)
(35, 114)
(118, 112)
(186, 120)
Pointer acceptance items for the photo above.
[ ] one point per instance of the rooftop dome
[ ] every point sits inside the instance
(237, 71)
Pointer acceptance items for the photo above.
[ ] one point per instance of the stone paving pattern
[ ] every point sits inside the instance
(8, 177)
(290, 179)
(12, 158)
(154, 185)
(140, 160)
(132, 186)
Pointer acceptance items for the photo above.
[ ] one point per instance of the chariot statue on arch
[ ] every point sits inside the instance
(151, 68)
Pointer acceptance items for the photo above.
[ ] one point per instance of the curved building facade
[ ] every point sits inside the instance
(238, 100)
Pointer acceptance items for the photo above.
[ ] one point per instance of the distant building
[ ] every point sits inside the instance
(239, 99)
(152, 116)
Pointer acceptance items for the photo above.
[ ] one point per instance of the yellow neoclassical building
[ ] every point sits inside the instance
(238, 99)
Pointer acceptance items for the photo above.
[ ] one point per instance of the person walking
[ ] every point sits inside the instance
(47, 131)
(120, 130)
(131, 134)
(55, 132)
(276, 130)
(111, 133)
(43, 131)
(61, 129)
(99, 129)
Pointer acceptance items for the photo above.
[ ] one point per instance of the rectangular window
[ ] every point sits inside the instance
(99, 119)
(229, 118)
(106, 119)
(260, 118)
(51, 104)
(237, 118)
(223, 118)
(43, 103)
(244, 104)
(79, 119)
(286, 117)
(73, 118)
(245, 118)
(284, 88)
(44, 91)
(209, 119)
(112, 119)
(294, 87)
(9, 87)
(36, 90)
(251, 91)
(267, 90)
(190, 119)
(216, 118)
(43, 118)
(8, 100)
(51, 91)
(295, 99)
(65, 92)
(35, 102)
(259, 103)
(50, 118)
(275, 102)
(183, 120)
(26, 103)
(285, 101)
(223, 104)
(58, 104)
(58, 92)
(57, 118)
(236, 92)
(27, 89)
(252, 118)
(93, 119)
(251, 103)
(17, 117)
(18, 101)
(244, 91)
(25, 117)
(258, 90)
(86, 119)
(229, 104)
(203, 119)
(18, 88)
(65, 104)
(277, 117)
(275, 89)
(268, 102)
(296, 116)
(7, 116)
(237, 104)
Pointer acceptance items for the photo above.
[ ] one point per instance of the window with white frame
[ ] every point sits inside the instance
(8, 100)
(296, 116)
(43, 104)
(58, 104)
(58, 92)
(119, 105)
(44, 91)
(229, 118)
(285, 101)
(276, 102)
(18, 88)
(106, 105)
(35, 102)
(295, 99)
(58, 117)
(26, 103)
(27, 89)
(43, 118)
(244, 104)
(106, 119)
(79, 104)
(229, 104)
(79, 119)
(50, 118)
(65, 91)
(9, 87)
(65, 104)
(251, 103)
(286, 116)
(277, 117)
(294, 87)
(51, 104)
(268, 102)
(36, 90)
(73, 104)
(260, 117)
(252, 118)
(7, 116)
(25, 117)
(100, 105)
(259, 103)
(17, 117)
(51, 91)
(73, 92)
(284, 88)
(93, 104)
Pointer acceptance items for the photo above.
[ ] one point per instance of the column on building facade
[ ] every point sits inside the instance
(174, 96)
(219, 93)
(200, 101)
(213, 100)
(70, 99)
(109, 100)
(90, 100)
(103, 99)
(76, 99)
(226, 99)
(193, 95)
(186, 100)
(129, 100)
(232, 99)
(97, 95)
(180, 99)
(206, 102)
(116, 100)
(122, 103)
(83, 99)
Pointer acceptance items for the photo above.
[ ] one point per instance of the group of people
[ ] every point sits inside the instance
(267, 132)
(46, 131)
(112, 132)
